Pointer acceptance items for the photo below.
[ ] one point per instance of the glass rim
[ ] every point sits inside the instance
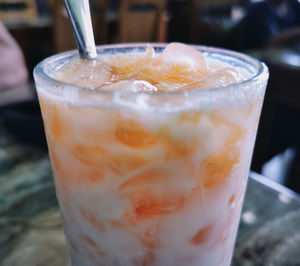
(261, 71)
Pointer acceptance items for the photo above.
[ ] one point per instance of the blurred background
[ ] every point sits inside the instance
(269, 30)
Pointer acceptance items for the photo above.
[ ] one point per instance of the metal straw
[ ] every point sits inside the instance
(80, 16)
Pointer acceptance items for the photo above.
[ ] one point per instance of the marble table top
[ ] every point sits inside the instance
(31, 230)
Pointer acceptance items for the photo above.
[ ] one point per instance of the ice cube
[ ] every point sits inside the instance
(120, 85)
(216, 79)
(181, 54)
(221, 78)
(149, 52)
(130, 85)
(142, 85)
(196, 85)
(87, 73)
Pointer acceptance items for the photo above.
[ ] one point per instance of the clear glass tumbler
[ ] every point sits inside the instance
(151, 178)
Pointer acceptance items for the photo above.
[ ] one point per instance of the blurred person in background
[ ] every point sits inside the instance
(265, 19)
(13, 70)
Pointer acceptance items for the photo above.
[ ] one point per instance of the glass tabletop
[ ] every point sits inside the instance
(31, 230)
(269, 230)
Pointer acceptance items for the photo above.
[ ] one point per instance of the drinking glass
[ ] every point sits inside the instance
(145, 178)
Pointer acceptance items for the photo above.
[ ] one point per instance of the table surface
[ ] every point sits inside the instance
(30, 223)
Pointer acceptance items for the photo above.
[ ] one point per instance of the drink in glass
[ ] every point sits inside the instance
(150, 148)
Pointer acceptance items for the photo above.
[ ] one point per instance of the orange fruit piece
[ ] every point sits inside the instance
(148, 195)
(57, 128)
(165, 75)
(152, 71)
(146, 260)
(150, 243)
(90, 155)
(144, 180)
(192, 117)
(236, 132)
(124, 163)
(134, 135)
(181, 148)
(72, 174)
(63, 171)
(93, 176)
(101, 253)
(150, 239)
(217, 168)
(129, 68)
(116, 223)
(202, 235)
(149, 206)
(91, 242)
(51, 118)
(232, 199)
(146, 77)
(90, 217)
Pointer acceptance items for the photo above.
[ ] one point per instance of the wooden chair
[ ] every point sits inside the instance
(202, 31)
(279, 126)
(63, 34)
(23, 11)
(143, 21)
